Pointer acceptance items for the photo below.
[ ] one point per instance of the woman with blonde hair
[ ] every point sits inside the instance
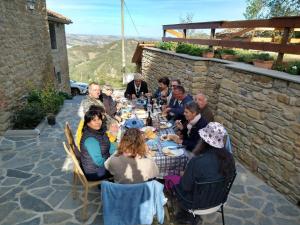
(130, 164)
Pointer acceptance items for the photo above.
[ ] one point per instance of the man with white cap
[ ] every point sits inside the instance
(213, 162)
(136, 87)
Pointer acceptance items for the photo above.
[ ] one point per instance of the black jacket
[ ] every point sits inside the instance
(130, 89)
(190, 140)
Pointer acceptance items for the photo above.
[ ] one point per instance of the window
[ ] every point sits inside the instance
(58, 77)
(52, 35)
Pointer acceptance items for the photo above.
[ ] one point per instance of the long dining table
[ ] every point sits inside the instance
(168, 164)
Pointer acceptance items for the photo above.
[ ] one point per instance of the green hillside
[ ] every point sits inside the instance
(100, 63)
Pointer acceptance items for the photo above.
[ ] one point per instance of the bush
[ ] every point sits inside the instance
(227, 51)
(293, 68)
(290, 67)
(51, 100)
(65, 95)
(29, 117)
(171, 46)
(263, 56)
(38, 105)
(189, 49)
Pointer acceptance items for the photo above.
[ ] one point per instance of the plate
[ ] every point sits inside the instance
(172, 151)
(164, 125)
(147, 127)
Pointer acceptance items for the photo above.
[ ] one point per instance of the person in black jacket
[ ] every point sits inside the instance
(190, 129)
(213, 162)
(136, 87)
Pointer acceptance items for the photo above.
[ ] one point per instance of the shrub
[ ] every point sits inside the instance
(51, 100)
(171, 46)
(290, 67)
(34, 96)
(29, 116)
(38, 105)
(263, 56)
(227, 51)
(65, 95)
(189, 49)
(293, 68)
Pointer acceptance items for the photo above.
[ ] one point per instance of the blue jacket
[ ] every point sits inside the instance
(178, 109)
(132, 204)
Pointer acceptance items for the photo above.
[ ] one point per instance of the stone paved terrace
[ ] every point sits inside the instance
(35, 186)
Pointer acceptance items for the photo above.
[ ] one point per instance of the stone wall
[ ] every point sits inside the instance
(25, 57)
(261, 112)
(60, 59)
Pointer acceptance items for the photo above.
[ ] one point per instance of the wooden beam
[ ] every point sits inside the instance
(262, 46)
(284, 40)
(278, 22)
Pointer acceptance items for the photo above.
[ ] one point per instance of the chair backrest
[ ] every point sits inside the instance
(137, 202)
(71, 141)
(210, 194)
(77, 169)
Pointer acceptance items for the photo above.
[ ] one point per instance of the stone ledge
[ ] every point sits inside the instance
(22, 133)
(235, 65)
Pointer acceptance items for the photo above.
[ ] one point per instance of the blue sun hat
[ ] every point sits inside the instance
(134, 123)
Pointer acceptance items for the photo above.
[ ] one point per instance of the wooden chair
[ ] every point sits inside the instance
(79, 175)
(71, 141)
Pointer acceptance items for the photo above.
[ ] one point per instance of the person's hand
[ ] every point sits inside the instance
(174, 137)
(149, 94)
(133, 96)
(178, 125)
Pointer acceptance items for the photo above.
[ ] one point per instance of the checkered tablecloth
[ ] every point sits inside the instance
(168, 165)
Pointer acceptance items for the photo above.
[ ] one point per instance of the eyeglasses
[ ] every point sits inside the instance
(174, 85)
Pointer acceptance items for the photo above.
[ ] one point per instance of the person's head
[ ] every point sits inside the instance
(138, 79)
(93, 117)
(132, 143)
(94, 90)
(213, 138)
(175, 83)
(107, 89)
(179, 93)
(201, 100)
(191, 110)
(163, 83)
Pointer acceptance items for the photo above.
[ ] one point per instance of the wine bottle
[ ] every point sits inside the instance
(149, 120)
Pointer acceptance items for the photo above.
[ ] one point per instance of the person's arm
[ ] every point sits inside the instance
(81, 111)
(187, 179)
(128, 91)
(93, 147)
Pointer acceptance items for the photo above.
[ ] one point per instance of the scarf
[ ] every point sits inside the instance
(192, 123)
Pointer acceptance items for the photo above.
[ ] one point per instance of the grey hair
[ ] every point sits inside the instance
(93, 83)
(201, 94)
(192, 107)
(106, 87)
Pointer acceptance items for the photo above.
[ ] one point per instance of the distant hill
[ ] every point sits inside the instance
(95, 60)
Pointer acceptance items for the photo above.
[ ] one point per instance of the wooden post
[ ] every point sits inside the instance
(212, 36)
(184, 33)
(284, 40)
(164, 33)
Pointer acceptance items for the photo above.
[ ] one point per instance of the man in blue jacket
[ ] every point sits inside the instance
(175, 109)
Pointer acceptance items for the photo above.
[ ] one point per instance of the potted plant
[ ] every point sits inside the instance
(228, 54)
(51, 119)
(263, 60)
(208, 53)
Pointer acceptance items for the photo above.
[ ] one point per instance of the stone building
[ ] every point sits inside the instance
(26, 59)
(59, 49)
(260, 109)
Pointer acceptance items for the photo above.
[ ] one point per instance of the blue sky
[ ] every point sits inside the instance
(103, 17)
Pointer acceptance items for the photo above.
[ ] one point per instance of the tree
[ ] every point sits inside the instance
(260, 9)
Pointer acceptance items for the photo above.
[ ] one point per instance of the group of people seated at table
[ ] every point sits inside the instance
(128, 161)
